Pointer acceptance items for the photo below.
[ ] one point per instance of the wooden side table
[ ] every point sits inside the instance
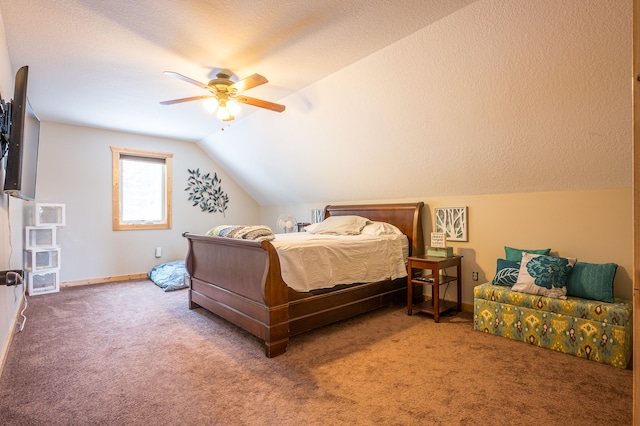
(435, 306)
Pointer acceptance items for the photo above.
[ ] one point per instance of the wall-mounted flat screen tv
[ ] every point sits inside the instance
(24, 137)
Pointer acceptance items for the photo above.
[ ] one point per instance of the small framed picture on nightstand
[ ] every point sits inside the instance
(438, 239)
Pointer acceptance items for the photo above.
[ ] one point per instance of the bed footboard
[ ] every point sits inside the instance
(240, 281)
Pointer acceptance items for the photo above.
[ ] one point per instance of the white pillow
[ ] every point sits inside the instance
(310, 228)
(339, 225)
(380, 228)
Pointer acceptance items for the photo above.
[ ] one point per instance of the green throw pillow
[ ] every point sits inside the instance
(515, 254)
(592, 281)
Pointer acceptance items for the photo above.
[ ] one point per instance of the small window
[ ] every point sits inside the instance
(141, 183)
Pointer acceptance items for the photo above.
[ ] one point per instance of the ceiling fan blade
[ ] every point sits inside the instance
(185, 78)
(249, 82)
(192, 98)
(260, 103)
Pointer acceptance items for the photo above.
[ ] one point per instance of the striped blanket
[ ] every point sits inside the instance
(243, 232)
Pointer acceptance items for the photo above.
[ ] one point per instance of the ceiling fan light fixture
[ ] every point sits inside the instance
(210, 105)
(223, 112)
(233, 107)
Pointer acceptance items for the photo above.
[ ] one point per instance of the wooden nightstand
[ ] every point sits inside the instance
(301, 226)
(436, 265)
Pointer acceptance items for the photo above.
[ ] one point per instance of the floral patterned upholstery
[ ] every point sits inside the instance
(589, 329)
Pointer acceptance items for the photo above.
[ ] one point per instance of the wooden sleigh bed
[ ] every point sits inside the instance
(240, 281)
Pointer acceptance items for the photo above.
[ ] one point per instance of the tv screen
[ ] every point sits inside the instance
(24, 136)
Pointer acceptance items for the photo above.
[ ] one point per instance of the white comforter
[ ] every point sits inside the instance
(311, 261)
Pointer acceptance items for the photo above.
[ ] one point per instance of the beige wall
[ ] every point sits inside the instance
(593, 226)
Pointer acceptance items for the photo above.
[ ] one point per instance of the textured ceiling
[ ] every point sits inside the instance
(386, 99)
(100, 63)
(499, 97)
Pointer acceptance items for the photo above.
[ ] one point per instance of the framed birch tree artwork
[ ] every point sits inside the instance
(452, 221)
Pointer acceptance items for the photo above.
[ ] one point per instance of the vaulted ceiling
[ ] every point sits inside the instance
(386, 99)
(101, 63)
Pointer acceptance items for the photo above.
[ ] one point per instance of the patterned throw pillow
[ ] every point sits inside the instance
(544, 275)
(515, 254)
(592, 281)
(507, 273)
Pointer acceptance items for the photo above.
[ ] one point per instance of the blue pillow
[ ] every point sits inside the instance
(592, 281)
(506, 273)
(516, 254)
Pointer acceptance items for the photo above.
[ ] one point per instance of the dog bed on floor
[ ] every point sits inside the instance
(170, 276)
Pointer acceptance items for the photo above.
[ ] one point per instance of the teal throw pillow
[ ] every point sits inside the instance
(506, 272)
(516, 254)
(592, 281)
(544, 275)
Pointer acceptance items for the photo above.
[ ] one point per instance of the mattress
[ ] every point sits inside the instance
(311, 261)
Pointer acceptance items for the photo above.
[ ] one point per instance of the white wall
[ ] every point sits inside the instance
(75, 169)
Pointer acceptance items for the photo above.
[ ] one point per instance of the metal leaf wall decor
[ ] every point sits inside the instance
(205, 191)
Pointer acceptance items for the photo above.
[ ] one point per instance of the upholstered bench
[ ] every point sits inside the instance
(591, 329)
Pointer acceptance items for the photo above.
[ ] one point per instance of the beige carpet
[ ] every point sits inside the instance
(130, 354)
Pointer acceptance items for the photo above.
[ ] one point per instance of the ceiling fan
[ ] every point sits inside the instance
(224, 94)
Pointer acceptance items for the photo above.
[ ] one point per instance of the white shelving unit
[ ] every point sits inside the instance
(38, 259)
(42, 247)
(40, 237)
(45, 214)
(43, 282)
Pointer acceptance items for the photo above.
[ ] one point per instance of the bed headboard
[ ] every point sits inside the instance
(405, 216)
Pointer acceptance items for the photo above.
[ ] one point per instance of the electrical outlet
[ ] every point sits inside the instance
(158, 251)
(474, 275)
